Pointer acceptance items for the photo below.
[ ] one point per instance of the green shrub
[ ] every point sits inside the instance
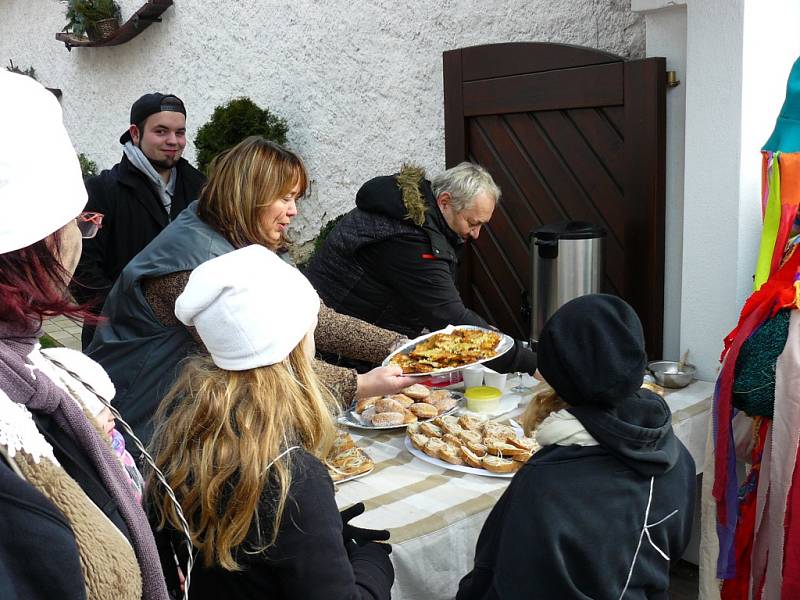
(83, 15)
(233, 122)
(324, 232)
(88, 166)
(30, 71)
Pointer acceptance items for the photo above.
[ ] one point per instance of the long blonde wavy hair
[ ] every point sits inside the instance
(539, 408)
(217, 435)
(244, 180)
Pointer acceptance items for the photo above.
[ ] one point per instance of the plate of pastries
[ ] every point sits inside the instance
(471, 444)
(346, 461)
(448, 350)
(417, 403)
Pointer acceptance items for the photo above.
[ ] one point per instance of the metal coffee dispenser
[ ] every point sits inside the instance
(567, 261)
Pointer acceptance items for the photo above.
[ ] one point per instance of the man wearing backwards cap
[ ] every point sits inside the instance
(139, 196)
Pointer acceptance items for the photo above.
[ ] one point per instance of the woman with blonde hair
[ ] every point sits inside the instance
(250, 198)
(240, 438)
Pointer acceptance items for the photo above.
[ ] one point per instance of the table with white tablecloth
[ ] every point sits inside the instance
(435, 514)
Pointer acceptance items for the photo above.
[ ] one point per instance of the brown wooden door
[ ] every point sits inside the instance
(569, 133)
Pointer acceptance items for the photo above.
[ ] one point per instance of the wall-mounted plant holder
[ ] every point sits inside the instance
(140, 20)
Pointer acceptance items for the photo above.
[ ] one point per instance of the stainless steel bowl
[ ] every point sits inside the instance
(666, 373)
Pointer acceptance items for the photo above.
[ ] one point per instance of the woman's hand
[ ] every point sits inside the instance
(381, 381)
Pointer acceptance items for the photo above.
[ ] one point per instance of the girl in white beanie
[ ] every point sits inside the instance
(240, 438)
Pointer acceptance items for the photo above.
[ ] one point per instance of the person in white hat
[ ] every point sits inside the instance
(241, 437)
(71, 525)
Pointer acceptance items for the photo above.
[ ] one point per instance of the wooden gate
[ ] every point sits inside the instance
(569, 133)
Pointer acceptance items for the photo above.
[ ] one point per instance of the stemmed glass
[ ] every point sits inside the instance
(519, 388)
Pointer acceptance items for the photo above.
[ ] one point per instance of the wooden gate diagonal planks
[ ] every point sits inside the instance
(569, 133)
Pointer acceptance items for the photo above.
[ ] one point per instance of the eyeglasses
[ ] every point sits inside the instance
(89, 223)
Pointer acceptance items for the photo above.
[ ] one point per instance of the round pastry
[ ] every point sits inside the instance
(501, 448)
(412, 428)
(470, 422)
(385, 419)
(451, 427)
(423, 410)
(444, 404)
(417, 392)
(419, 440)
(364, 403)
(342, 442)
(430, 430)
(402, 399)
(472, 459)
(522, 458)
(499, 465)
(367, 415)
(496, 430)
(451, 439)
(410, 417)
(451, 454)
(526, 443)
(383, 405)
(437, 395)
(477, 448)
(449, 421)
(470, 436)
(433, 447)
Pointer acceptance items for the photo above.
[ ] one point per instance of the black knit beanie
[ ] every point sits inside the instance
(591, 351)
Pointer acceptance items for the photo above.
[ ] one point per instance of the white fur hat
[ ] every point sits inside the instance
(41, 187)
(249, 307)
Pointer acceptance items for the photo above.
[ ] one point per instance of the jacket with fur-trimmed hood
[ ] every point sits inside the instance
(602, 518)
(393, 261)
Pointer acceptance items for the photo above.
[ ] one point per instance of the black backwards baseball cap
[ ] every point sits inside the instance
(150, 104)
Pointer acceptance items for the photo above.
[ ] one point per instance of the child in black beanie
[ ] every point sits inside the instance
(606, 504)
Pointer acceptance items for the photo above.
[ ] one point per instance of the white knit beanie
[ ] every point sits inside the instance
(249, 307)
(41, 187)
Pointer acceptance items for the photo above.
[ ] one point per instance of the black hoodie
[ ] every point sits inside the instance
(572, 522)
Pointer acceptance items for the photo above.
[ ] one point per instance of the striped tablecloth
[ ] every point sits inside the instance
(435, 514)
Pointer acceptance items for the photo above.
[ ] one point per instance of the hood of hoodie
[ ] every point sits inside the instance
(637, 431)
(591, 351)
(407, 196)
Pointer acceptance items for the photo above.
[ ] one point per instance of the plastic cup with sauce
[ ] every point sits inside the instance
(483, 399)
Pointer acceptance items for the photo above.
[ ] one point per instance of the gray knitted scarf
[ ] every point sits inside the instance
(41, 395)
(140, 161)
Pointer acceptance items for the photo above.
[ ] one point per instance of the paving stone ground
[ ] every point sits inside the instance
(64, 331)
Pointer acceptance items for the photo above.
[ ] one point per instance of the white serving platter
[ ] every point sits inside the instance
(351, 418)
(505, 344)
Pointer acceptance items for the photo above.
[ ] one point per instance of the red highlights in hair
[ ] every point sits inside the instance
(31, 285)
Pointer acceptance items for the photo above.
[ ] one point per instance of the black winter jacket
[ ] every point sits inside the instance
(381, 266)
(309, 559)
(133, 216)
(598, 521)
(571, 524)
(38, 555)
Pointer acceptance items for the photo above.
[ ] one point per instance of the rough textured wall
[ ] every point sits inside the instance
(360, 83)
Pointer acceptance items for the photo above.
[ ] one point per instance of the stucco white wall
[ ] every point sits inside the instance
(738, 56)
(666, 36)
(360, 83)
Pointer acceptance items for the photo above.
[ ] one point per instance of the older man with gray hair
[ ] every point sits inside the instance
(393, 260)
